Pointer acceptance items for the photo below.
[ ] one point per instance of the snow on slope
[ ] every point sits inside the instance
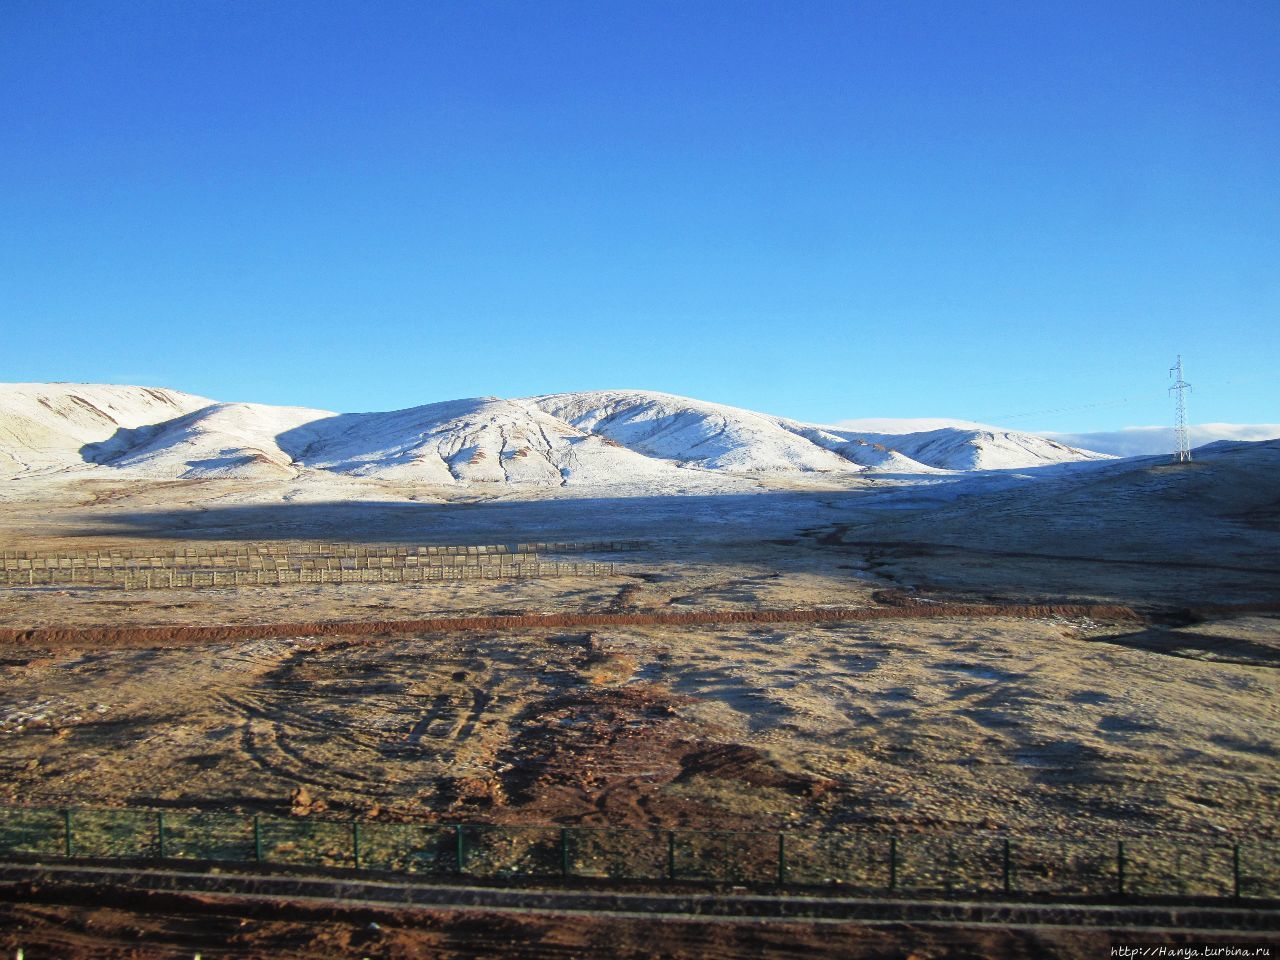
(617, 439)
(693, 433)
(441, 443)
(44, 425)
(218, 440)
(718, 437)
(991, 449)
(484, 440)
(899, 425)
(859, 451)
(968, 445)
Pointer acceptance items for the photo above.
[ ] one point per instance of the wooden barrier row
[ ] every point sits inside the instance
(294, 548)
(21, 567)
(175, 579)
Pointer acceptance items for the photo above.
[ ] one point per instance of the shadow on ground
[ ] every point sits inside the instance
(1200, 646)
(756, 515)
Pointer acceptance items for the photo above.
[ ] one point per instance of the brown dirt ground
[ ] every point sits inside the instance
(939, 724)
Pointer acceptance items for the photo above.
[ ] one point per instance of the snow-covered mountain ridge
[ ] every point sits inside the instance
(603, 438)
(1144, 441)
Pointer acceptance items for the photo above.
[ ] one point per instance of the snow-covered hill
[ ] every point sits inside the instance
(717, 437)
(485, 440)
(956, 448)
(693, 433)
(619, 439)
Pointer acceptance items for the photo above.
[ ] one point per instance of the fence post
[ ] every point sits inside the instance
(782, 859)
(68, 845)
(257, 838)
(1007, 869)
(160, 833)
(564, 852)
(1120, 867)
(949, 884)
(893, 864)
(461, 847)
(1235, 871)
(671, 854)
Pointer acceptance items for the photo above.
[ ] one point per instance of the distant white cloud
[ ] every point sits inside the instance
(1140, 441)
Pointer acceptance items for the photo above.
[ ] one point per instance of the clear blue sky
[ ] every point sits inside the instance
(823, 210)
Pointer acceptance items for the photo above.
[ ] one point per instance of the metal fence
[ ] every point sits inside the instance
(913, 864)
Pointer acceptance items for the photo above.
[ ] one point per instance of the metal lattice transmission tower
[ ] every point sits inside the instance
(1179, 390)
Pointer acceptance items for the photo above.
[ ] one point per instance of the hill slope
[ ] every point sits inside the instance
(43, 426)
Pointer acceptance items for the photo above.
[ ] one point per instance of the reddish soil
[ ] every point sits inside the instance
(603, 756)
(145, 636)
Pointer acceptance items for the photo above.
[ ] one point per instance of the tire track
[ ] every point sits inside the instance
(264, 743)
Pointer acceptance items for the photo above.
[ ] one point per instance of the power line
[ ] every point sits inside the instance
(1119, 401)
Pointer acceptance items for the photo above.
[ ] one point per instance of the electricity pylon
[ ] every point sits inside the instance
(1179, 389)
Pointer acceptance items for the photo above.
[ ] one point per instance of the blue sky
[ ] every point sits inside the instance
(1013, 212)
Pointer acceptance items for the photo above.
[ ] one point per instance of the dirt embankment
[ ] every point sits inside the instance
(141, 636)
